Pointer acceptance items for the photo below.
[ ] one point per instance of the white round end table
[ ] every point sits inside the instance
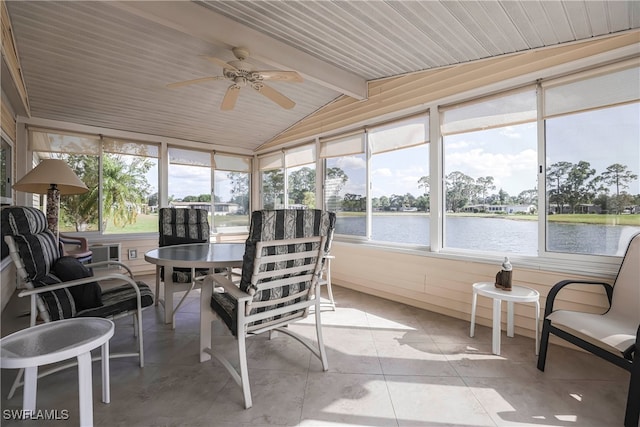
(56, 341)
(517, 294)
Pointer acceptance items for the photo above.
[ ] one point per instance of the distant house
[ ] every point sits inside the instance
(509, 209)
(219, 207)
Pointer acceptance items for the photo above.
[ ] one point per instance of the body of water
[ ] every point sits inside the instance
(495, 234)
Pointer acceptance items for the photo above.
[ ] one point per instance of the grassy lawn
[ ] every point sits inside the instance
(149, 223)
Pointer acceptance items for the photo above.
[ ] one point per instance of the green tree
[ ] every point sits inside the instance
(619, 176)
(579, 186)
(239, 189)
(125, 187)
(301, 181)
(556, 175)
(459, 187)
(485, 183)
(272, 188)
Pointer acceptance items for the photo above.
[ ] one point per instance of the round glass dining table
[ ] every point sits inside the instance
(192, 255)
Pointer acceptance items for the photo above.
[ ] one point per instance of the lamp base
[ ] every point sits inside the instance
(53, 208)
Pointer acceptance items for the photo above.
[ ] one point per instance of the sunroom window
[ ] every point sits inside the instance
(231, 192)
(592, 138)
(490, 174)
(345, 178)
(400, 181)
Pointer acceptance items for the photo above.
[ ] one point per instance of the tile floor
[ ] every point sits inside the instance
(390, 365)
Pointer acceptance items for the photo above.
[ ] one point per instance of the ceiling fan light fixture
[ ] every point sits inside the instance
(243, 74)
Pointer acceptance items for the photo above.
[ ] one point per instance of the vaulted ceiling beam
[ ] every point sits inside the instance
(198, 21)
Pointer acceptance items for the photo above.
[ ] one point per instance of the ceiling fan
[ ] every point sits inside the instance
(242, 74)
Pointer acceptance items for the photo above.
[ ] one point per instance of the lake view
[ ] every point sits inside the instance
(494, 234)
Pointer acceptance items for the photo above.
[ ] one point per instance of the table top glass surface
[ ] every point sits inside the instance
(198, 252)
(55, 337)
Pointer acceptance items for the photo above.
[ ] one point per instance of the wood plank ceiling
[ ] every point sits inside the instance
(106, 63)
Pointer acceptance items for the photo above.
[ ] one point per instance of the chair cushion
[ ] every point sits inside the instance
(54, 305)
(267, 225)
(183, 275)
(226, 307)
(182, 226)
(36, 245)
(614, 331)
(118, 300)
(86, 296)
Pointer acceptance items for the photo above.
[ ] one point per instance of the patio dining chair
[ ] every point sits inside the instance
(610, 335)
(61, 287)
(178, 227)
(283, 259)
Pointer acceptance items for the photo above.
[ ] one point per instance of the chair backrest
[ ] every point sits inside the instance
(291, 277)
(36, 246)
(179, 226)
(34, 251)
(626, 289)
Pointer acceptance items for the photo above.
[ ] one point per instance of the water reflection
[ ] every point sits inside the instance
(495, 234)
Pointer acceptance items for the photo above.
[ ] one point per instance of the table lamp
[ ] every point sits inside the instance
(52, 177)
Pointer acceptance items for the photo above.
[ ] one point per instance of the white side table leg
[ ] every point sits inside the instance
(30, 389)
(473, 314)
(84, 390)
(537, 302)
(496, 326)
(510, 319)
(106, 381)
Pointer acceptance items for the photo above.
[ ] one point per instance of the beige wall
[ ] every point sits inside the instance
(443, 285)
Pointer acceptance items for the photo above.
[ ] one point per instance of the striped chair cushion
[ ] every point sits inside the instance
(54, 305)
(270, 225)
(118, 300)
(37, 246)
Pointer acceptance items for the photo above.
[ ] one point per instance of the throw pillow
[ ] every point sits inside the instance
(86, 296)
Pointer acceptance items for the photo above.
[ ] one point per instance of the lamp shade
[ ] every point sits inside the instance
(51, 172)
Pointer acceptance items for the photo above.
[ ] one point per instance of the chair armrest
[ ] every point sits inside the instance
(110, 263)
(73, 240)
(84, 281)
(228, 286)
(551, 297)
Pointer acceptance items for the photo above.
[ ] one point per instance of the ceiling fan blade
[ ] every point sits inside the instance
(275, 96)
(220, 62)
(230, 98)
(194, 81)
(283, 76)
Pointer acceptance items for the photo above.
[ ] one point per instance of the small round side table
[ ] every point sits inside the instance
(517, 294)
(56, 341)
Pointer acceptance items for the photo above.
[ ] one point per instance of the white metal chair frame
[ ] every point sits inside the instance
(245, 319)
(33, 293)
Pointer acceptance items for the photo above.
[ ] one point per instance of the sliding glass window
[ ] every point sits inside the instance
(400, 181)
(300, 163)
(592, 142)
(272, 181)
(345, 182)
(123, 200)
(490, 174)
(231, 192)
(82, 152)
(129, 186)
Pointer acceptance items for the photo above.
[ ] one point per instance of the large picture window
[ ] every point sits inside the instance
(400, 181)
(490, 174)
(121, 177)
(592, 136)
(231, 192)
(345, 178)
